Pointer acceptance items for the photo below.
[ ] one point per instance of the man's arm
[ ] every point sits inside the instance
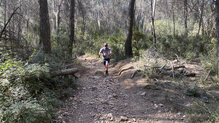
(101, 52)
(110, 53)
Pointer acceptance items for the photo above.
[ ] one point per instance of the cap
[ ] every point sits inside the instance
(105, 44)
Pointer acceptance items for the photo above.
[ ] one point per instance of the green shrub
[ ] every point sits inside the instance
(28, 94)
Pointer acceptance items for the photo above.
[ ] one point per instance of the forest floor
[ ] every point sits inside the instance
(118, 98)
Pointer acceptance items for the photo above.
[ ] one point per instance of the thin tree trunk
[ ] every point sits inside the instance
(19, 24)
(58, 21)
(128, 43)
(186, 16)
(201, 17)
(45, 26)
(167, 12)
(5, 21)
(72, 26)
(6, 24)
(83, 16)
(217, 31)
(174, 23)
(153, 7)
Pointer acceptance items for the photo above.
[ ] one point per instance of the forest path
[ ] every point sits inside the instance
(111, 99)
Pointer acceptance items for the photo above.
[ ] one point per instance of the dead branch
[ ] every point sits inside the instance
(71, 71)
(133, 75)
(176, 67)
(207, 75)
(9, 20)
(126, 69)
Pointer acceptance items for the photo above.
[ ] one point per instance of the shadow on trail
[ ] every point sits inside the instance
(117, 98)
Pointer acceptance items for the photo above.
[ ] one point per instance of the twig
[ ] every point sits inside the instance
(172, 70)
(207, 75)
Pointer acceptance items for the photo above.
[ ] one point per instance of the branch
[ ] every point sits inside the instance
(5, 26)
(71, 71)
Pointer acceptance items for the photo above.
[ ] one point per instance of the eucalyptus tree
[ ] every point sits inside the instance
(128, 43)
(45, 33)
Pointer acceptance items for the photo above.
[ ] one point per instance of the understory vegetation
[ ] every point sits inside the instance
(28, 92)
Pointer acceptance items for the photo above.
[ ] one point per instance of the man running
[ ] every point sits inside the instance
(106, 53)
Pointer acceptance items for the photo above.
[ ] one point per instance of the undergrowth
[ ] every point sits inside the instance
(28, 93)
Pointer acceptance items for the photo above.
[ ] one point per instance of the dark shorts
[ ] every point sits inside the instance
(105, 60)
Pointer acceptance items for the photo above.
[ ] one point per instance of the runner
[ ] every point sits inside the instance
(106, 53)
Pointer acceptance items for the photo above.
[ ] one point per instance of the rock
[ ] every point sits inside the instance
(78, 75)
(161, 105)
(110, 96)
(155, 105)
(123, 118)
(110, 116)
(143, 94)
(115, 95)
(96, 77)
(188, 105)
(179, 113)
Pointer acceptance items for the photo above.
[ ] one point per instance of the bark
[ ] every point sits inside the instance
(153, 7)
(72, 26)
(217, 30)
(174, 22)
(167, 11)
(201, 17)
(19, 23)
(186, 16)
(81, 7)
(71, 71)
(128, 43)
(5, 21)
(45, 26)
(58, 21)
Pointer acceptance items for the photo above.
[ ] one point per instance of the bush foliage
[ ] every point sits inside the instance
(28, 94)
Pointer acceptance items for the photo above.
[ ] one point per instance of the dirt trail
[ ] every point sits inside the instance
(111, 99)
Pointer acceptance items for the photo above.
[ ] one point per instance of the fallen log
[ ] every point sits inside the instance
(71, 71)
(126, 69)
(176, 67)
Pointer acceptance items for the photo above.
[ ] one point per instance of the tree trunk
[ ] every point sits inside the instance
(153, 7)
(217, 30)
(45, 26)
(186, 16)
(81, 7)
(72, 26)
(19, 23)
(174, 23)
(58, 21)
(128, 43)
(201, 17)
(5, 21)
(167, 12)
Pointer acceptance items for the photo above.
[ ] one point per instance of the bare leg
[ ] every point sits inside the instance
(107, 67)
